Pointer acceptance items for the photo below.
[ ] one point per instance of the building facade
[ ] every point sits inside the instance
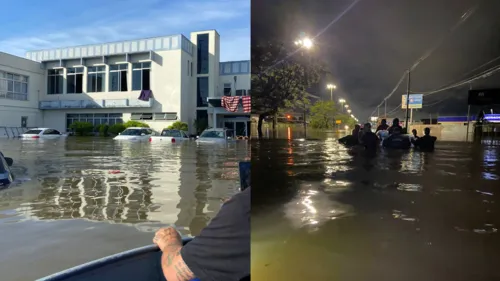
(157, 81)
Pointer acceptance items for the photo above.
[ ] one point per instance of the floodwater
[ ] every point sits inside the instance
(79, 199)
(323, 212)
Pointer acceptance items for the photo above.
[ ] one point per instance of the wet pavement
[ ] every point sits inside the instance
(79, 199)
(324, 212)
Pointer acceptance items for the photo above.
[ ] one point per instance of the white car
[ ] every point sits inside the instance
(173, 136)
(42, 133)
(217, 135)
(135, 133)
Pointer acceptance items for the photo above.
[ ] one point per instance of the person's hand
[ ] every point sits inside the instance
(168, 236)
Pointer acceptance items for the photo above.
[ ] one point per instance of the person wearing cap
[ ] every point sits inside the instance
(220, 253)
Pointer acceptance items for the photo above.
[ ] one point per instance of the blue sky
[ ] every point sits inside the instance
(34, 24)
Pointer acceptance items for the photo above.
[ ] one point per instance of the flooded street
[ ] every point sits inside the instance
(323, 212)
(79, 199)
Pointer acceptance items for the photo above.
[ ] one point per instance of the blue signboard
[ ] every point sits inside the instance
(416, 101)
(494, 118)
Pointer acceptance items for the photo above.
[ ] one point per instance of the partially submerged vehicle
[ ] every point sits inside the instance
(216, 135)
(140, 264)
(135, 133)
(42, 133)
(172, 136)
(6, 176)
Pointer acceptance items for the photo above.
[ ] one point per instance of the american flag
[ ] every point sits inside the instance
(246, 101)
(230, 103)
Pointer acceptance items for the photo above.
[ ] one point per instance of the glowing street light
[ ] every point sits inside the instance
(346, 106)
(306, 43)
(331, 87)
(349, 111)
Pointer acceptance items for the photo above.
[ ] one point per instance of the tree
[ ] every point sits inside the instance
(346, 120)
(200, 125)
(133, 123)
(116, 128)
(82, 128)
(323, 115)
(178, 125)
(279, 79)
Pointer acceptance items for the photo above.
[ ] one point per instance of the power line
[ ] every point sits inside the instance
(462, 19)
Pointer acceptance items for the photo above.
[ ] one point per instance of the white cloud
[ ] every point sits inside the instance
(179, 18)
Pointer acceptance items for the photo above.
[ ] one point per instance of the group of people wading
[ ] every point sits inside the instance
(391, 137)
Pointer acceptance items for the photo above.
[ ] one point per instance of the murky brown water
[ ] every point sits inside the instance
(68, 207)
(322, 212)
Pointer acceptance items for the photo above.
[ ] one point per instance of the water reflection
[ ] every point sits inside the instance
(322, 211)
(139, 184)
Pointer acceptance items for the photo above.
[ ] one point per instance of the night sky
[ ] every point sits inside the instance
(372, 45)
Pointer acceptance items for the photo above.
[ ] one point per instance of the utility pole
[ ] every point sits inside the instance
(407, 101)
(385, 108)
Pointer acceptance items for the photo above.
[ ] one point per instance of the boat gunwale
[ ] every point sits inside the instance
(102, 262)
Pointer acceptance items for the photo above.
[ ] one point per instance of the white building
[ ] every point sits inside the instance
(102, 83)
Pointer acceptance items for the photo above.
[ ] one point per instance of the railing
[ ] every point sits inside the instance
(13, 132)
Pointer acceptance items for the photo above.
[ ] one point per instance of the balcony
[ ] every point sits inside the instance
(106, 103)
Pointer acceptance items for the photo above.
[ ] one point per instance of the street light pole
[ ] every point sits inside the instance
(407, 101)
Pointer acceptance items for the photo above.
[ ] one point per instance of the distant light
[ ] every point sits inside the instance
(346, 127)
(307, 43)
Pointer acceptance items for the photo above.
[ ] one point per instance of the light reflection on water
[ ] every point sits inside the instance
(321, 211)
(140, 184)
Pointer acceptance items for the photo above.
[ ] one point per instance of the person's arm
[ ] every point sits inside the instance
(173, 266)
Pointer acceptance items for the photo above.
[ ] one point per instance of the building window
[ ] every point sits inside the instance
(74, 80)
(118, 77)
(235, 67)
(165, 116)
(188, 68)
(141, 76)
(13, 86)
(203, 53)
(141, 116)
(227, 89)
(241, 92)
(202, 92)
(95, 119)
(227, 68)
(95, 79)
(55, 81)
(191, 69)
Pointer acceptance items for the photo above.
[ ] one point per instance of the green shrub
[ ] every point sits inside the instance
(102, 129)
(178, 125)
(82, 128)
(133, 123)
(116, 128)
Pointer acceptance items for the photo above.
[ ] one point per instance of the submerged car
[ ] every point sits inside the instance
(169, 135)
(216, 135)
(135, 133)
(6, 177)
(42, 133)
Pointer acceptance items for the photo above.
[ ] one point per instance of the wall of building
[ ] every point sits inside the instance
(11, 111)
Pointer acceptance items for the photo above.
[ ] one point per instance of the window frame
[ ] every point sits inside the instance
(74, 74)
(96, 73)
(122, 67)
(141, 69)
(55, 76)
(12, 79)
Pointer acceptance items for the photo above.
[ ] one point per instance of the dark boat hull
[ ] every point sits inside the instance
(141, 264)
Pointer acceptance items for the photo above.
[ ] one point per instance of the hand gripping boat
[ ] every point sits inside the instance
(140, 264)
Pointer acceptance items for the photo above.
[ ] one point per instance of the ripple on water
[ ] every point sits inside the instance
(149, 186)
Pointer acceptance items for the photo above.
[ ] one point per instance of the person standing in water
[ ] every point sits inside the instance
(426, 143)
(395, 125)
(383, 126)
(369, 139)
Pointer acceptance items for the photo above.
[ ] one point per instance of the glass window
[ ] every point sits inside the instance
(74, 80)
(141, 76)
(13, 86)
(203, 55)
(227, 68)
(118, 78)
(202, 92)
(240, 92)
(95, 79)
(236, 67)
